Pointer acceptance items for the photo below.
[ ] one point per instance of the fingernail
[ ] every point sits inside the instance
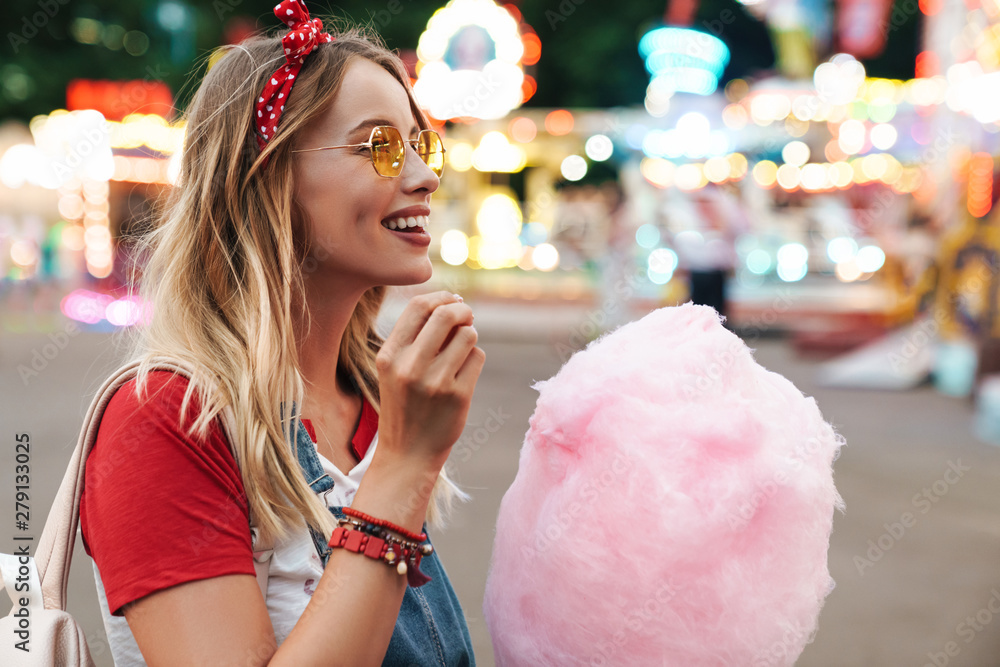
(459, 297)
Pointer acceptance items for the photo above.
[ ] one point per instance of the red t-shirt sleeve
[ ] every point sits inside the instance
(160, 508)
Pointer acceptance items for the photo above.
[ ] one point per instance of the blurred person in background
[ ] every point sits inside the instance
(706, 248)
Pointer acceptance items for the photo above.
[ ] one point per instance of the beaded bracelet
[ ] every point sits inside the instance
(378, 531)
(363, 540)
(350, 511)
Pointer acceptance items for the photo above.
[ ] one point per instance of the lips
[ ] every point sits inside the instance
(414, 211)
(416, 235)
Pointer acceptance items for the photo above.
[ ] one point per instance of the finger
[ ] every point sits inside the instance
(468, 374)
(430, 340)
(453, 355)
(451, 335)
(416, 313)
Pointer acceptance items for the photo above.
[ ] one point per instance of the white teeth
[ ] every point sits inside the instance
(400, 223)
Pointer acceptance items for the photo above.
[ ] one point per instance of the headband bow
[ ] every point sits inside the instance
(305, 35)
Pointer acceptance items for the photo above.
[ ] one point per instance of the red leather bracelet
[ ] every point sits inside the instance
(406, 559)
(350, 511)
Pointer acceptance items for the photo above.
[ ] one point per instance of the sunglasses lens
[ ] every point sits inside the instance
(431, 151)
(388, 151)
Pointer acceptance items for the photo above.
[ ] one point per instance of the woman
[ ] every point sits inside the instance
(267, 271)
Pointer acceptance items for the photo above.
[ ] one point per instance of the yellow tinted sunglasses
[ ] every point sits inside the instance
(388, 150)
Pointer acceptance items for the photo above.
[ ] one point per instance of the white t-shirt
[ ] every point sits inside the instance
(293, 575)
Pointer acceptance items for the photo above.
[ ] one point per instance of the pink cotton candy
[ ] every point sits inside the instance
(673, 506)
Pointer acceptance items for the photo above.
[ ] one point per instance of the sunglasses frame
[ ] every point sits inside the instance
(370, 144)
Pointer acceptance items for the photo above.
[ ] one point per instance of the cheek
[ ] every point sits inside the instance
(310, 191)
(338, 201)
(363, 199)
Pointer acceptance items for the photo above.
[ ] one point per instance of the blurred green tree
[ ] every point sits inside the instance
(589, 47)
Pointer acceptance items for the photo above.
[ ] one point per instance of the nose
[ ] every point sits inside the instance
(416, 175)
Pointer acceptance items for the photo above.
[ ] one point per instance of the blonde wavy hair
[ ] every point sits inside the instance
(224, 276)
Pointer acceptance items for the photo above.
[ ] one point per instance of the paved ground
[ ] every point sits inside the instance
(908, 608)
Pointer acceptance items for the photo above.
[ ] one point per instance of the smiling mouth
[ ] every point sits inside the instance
(417, 223)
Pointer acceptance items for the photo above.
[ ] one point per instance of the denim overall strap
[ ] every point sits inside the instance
(431, 628)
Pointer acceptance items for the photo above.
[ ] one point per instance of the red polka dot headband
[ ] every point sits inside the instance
(305, 35)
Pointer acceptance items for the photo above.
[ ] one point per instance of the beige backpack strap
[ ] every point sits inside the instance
(55, 546)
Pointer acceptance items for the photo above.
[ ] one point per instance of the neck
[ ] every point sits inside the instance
(319, 351)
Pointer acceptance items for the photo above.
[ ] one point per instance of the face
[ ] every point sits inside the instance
(347, 203)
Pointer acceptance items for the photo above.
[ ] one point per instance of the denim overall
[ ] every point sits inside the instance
(431, 628)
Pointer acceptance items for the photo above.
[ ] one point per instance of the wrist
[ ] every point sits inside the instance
(396, 491)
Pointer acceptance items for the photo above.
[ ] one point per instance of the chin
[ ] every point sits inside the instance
(416, 276)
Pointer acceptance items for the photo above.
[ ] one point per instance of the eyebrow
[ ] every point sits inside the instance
(375, 122)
